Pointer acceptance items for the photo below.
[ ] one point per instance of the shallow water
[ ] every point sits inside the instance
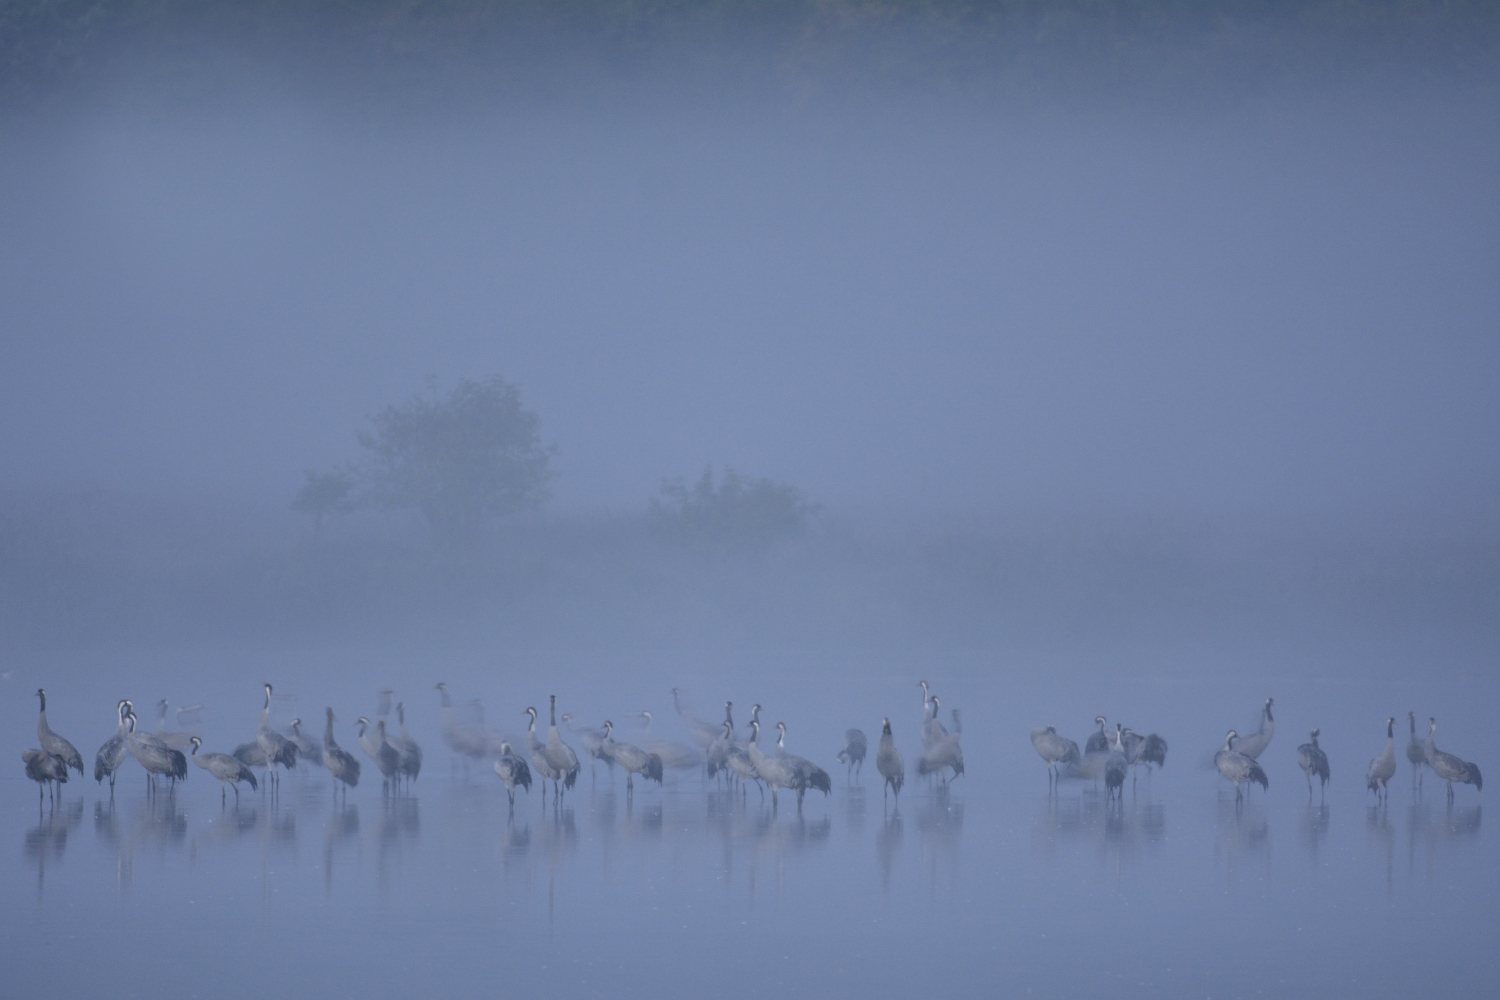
(985, 886)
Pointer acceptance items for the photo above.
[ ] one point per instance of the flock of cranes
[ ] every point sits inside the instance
(723, 752)
(1109, 755)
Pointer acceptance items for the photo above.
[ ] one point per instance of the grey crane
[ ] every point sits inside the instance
(716, 755)
(737, 759)
(942, 754)
(175, 739)
(53, 743)
(1115, 766)
(48, 770)
(775, 773)
(593, 745)
(379, 749)
(1416, 751)
(409, 754)
(853, 754)
(1255, 744)
(154, 755)
(674, 756)
(513, 771)
(250, 754)
(932, 729)
(340, 762)
(1054, 750)
(631, 758)
(805, 774)
(1147, 750)
(112, 754)
(538, 753)
(279, 751)
(1448, 767)
(1383, 768)
(1237, 767)
(560, 757)
(228, 769)
(1098, 741)
(461, 739)
(1312, 760)
(308, 749)
(889, 763)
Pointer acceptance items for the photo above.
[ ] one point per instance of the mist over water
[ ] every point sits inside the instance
(1137, 366)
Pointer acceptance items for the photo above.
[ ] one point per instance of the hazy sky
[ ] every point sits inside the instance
(1283, 306)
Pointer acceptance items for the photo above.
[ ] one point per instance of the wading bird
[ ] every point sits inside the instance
(177, 740)
(226, 768)
(154, 755)
(805, 774)
(1237, 767)
(1312, 760)
(1098, 741)
(1255, 744)
(48, 770)
(560, 757)
(593, 745)
(112, 754)
(513, 771)
(279, 751)
(409, 754)
(632, 758)
(775, 773)
(463, 740)
(889, 763)
(308, 749)
(853, 754)
(53, 743)
(340, 762)
(943, 754)
(379, 749)
(1054, 750)
(1383, 767)
(1416, 751)
(674, 756)
(737, 760)
(1448, 767)
(1145, 750)
(538, 753)
(1115, 766)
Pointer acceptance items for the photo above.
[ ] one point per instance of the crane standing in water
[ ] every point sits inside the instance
(889, 763)
(1054, 750)
(560, 757)
(379, 749)
(279, 751)
(1382, 768)
(1416, 751)
(513, 771)
(632, 758)
(340, 762)
(1312, 760)
(1449, 767)
(229, 770)
(154, 755)
(112, 754)
(48, 770)
(853, 754)
(1255, 744)
(1238, 768)
(53, 743)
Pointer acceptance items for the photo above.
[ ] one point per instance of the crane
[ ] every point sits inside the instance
(1255, 744)
(1145, 750)
(674, 756)
(805, 774)
(737, 759)
(1115, 766)
(308, 749)
(340, 762)
(593, 745)
(175, 740)
(1238, 767)
(1448, 767)
(513, 771)
(154, 755)
(853, 754)
(1054, 750)
(279, 751)
(461, 739)
(889, 763)
(1098, 741)
(1416, 751)
(941, 755)
(1312, 760)
(408, 753)
(228, 769)
(632, 758)
(560, 757)
(379, 749)
(775, 773)
(1383, 767)
(538, 752)
(53, 743)
(113, 753)
(48, 770)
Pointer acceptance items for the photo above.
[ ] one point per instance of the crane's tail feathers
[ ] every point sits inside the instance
(1257, 773)
(1472, 775)
(1155, 751)
(653, 767)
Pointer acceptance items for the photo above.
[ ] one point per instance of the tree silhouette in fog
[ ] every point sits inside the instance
(734, 511)
(325, 493)
(458, 461)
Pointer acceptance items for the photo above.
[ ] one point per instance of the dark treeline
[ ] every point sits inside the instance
(420, 56)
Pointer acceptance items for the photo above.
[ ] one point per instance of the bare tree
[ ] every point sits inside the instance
(325, 493)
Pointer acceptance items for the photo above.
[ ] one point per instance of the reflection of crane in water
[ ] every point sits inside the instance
(1448, 767)
(1312, 760)
(1383, 767)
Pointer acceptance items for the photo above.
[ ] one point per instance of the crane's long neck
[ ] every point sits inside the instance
(781, 739)
(1412, 718)
(328, 731)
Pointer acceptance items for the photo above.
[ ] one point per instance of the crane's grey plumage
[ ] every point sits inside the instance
(1115, 766)
(932, 729)
(560, 757)
(1416, 751)
(805, 774)
(463, 740)
(408, 753)
(1147, 750)
(775, 773)
(1054, 750)
(593, 744)
(48, 770)
(250, 754)
(1237, 767)
(1255, 744)
(1448, 767)
(229, 770)
(853, 754)
(177, 740)
(631, 758)
(674, 756)
(1313, 761)
(1098, 741)
(154, 755)
(513, 771)
(53, 743)
(538, 752)
(1383, 768)
(308, 749)
(379, 749)
(944, 753)
(716, 756)
(889, 763)
(112, 754)
(279, 751)
(737, 759)
(340, 762)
